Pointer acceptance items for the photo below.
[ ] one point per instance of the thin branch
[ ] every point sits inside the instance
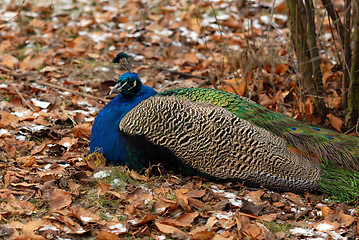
(5, 69)
(335, 18)
(355, 128)
(231, 62)
(72, 91)
(347, 53)
(19, 75)
(23, 99)
(179, 73)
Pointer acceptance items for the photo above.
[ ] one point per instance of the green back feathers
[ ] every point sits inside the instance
(325, 144)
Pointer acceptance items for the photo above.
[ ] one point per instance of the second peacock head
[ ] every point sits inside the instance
(129, 84)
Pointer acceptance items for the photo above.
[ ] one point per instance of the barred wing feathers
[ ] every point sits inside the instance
(216, 143)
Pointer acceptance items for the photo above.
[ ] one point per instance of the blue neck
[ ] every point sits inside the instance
(105, 134)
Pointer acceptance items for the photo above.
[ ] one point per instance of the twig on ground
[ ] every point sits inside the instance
(19, 75)
(24, 100)
(188, 75)
(5, 69)
(72, 91)
(185, 74)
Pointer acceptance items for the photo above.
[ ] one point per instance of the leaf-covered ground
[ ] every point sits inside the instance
(55, 73)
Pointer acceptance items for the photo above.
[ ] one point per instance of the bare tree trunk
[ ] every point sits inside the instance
(300, 45)
(315, 60)
(347, 53)
(304, 39)
(335, 18)
(353, 100)
(344, 34)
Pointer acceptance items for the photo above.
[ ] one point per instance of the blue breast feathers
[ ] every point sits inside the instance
(105, 135)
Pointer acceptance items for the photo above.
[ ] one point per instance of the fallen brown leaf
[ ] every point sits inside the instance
(29, 237)
(182, 200)
(38, 149)
(325, 210)
(265, 100)
(102, 188)
(335, 122)
(105, 235)
(29, 162)
(10, 150)
(196, 193)
(203, 235)
(8, 120)
(59, 199)
(255, 197)
(162, 206)
(235, 85)
(195, 202)
(174, 232)
(268, 217)
(187, 218)
(9, 61)
(147, 218)
(82, 131)
(346, 219)
(137, 176)
(32, 226)
(294, 198)
(85, 216)
(326, 225)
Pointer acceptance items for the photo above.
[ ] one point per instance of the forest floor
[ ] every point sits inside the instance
(56, 72)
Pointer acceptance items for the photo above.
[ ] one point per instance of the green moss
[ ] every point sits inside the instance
(106, 202)
(275, 227)
(121, 218)
(170, 195)
(6, 98)
(105, 216)
(104, 205)
(120, 178)
(130, 237)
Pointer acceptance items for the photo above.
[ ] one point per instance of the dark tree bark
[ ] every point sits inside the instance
(344, 32)
(347, 53)
(303, 34)
(353, 99)
(315, 60)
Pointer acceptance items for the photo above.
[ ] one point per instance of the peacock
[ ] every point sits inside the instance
(221, 136)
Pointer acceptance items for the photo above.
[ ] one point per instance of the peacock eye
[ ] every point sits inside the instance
(317, 129)
(131, 85)
(329, 137)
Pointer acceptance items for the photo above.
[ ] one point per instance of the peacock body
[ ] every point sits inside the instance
(220, 135)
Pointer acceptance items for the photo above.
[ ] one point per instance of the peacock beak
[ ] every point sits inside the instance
(118, 87)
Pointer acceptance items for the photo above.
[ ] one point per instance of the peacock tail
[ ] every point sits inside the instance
(327, 145)
(340, 184)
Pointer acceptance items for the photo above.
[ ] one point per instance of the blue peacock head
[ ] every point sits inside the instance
(129, 84)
